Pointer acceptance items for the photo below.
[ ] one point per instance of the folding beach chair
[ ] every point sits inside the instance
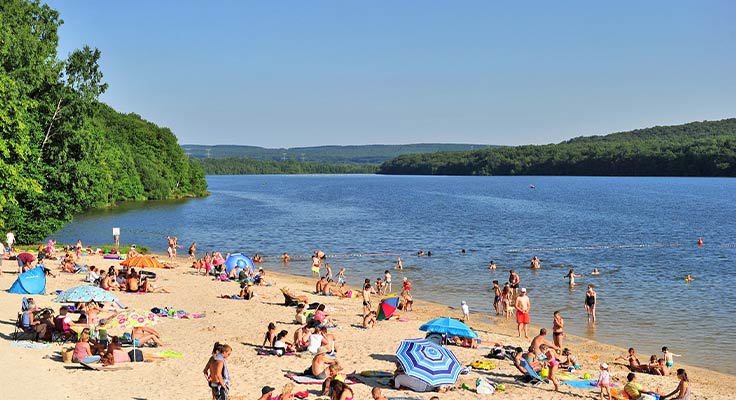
(21, 331)
(531, 373)
(289, 299)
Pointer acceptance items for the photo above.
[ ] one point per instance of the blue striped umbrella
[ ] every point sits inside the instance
(85, 294)
(433, 364)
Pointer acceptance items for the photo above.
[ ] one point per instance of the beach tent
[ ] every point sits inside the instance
(239, 260)
(32, 281)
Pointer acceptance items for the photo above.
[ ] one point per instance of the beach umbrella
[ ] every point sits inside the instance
(239, 260)
(387, 307)
(449, 326)
(142, 262)
(429, 362)
(128, 319)
(85, 294)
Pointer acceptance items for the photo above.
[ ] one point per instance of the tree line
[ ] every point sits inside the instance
(705, 148)
(247, 166)
(61, 150)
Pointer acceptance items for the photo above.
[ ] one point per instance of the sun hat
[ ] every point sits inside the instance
(462, 302)
(267, 389)
(604, 365)
(523, 290)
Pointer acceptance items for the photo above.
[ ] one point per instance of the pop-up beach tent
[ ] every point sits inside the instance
(32, 281)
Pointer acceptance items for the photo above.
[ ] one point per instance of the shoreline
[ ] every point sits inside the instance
(242, 324)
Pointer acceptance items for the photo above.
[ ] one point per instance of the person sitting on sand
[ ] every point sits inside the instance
(653, 366)
(636, 391)
(301, 338)
(324, 317)
(320, 284)
(320, 362)
(148, 287)
(340, 391)
(369, 320)
(377, 395)
(333, 373)
(634, 364)
(329, 340)
(568, 360)
(540, 340)
(281, 346)
(315, 341)
(683, 388)
(406, 381)
(83, 352)
(142, 335)
(133, 282)
(328, 287)
(342, 291)
(270, 335)
(406, 301)
(246, 290)
(133, 252)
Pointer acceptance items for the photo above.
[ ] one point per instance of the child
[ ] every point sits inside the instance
(270, 335)
(341, 276)
(669, 358)
(604, 381)
(466, 310)
(387, 281)
(379, 286)
(329, 271)
(496, 297)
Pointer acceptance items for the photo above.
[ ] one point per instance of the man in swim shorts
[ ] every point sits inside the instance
(320, 363)
(514, 282)
(523, 305)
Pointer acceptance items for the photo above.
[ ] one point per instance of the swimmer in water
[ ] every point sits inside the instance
(492, 266)
(535, 263)
(595, 272)
(689, 278)
(571, 275)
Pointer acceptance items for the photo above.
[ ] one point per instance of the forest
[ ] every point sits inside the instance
(248, 166)
(706, 149)
(354, 154)
(62, 151)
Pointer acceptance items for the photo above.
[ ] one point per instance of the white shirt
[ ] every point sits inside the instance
(315, 342)
(466, 310)
(279, 347)
(92, 276)
(10, 239)
(412, 383)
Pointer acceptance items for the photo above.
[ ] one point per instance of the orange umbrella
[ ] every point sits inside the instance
(142, 262)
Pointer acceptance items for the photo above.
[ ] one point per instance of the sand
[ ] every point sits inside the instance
(40, 373)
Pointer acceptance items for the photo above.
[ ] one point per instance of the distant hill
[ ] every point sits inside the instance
(705, 148)
(363, 154)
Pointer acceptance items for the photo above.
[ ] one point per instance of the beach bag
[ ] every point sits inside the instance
(66, 354)
(135, 355)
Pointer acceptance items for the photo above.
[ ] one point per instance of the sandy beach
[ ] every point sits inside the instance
(40, 373)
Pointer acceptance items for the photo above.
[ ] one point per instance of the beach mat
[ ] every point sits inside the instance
(378, 373)
(30, 345)
(583, 384)
(100, 367)
(310, 380)
(169, 354)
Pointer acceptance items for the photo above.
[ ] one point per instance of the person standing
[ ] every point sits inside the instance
(193, 251)
(514, 283)
(116, 236)
(217, 373)
(523, 305)
(2, 256)
(590, 299)
(496, 297)
(399, 264)
(557, 325)
(10, 241)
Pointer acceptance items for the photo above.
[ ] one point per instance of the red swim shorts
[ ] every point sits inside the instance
(522, 317)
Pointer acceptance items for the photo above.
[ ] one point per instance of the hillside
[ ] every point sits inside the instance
(705, 148)
(362, 154)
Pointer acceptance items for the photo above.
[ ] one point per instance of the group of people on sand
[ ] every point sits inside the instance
(124, 280)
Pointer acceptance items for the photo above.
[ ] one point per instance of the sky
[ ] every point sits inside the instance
(308, 73)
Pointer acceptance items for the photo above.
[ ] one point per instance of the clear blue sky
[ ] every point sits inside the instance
(302, 73)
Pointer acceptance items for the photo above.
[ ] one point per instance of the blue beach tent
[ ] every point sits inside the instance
(239, 260)
(32, 281)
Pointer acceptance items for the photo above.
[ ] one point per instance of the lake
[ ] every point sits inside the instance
(641, 233)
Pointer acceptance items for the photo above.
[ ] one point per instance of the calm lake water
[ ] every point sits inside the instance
(640, 232)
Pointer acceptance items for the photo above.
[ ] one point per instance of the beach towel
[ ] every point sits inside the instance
(264, 352)
(100, 367)
(404, 398)
(169, 354)
(378, 373)
(584, 384)
(30, 345)
(310, 380)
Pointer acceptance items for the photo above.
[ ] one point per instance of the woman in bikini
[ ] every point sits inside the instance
(557, 325)
(340, 391)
